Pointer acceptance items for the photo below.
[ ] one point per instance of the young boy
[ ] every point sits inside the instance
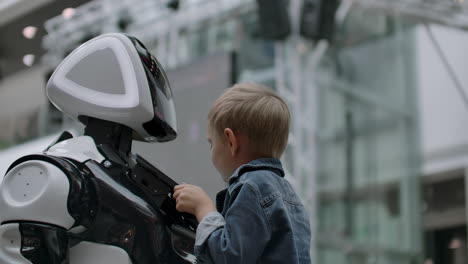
(258, 218)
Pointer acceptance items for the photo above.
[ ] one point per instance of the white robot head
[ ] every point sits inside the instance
(113, 77)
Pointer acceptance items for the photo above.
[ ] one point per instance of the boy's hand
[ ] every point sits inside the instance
(193, 200)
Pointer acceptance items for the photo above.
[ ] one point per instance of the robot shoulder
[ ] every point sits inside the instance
(40, 188)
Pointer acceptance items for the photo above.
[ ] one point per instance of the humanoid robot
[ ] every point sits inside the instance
(89, 199)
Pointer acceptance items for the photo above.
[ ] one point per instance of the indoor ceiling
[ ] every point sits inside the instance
(15, 15)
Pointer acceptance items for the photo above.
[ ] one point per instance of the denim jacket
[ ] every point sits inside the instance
(261, 220)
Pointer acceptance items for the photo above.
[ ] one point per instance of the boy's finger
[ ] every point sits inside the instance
(180, 186)
(179, 207)
(176, 194)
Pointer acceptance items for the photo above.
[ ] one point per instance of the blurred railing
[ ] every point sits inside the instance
(453, 13)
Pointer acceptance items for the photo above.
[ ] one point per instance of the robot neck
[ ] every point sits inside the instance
(110, 137)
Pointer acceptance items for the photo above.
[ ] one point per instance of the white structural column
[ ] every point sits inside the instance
(295, 62)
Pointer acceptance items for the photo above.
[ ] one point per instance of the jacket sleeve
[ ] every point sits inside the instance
(245, 234)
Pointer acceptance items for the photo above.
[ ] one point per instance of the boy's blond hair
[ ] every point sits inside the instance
(256, 111)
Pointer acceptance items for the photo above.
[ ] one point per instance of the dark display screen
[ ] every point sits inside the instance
(154, 72)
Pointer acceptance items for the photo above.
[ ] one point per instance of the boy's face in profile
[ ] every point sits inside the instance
(220, 154)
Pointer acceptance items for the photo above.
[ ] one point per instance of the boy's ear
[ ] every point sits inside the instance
(232, 141)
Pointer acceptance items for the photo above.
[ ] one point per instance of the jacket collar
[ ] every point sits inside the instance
(271, 164)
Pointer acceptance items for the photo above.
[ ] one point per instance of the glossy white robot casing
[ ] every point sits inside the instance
(105, 78)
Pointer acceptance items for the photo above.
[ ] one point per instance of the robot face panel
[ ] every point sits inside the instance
(163, 124)
(113, 77)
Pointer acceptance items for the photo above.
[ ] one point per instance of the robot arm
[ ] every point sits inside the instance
(160, 187)
(35, 197)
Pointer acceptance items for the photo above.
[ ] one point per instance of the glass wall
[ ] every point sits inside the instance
(368, 150)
